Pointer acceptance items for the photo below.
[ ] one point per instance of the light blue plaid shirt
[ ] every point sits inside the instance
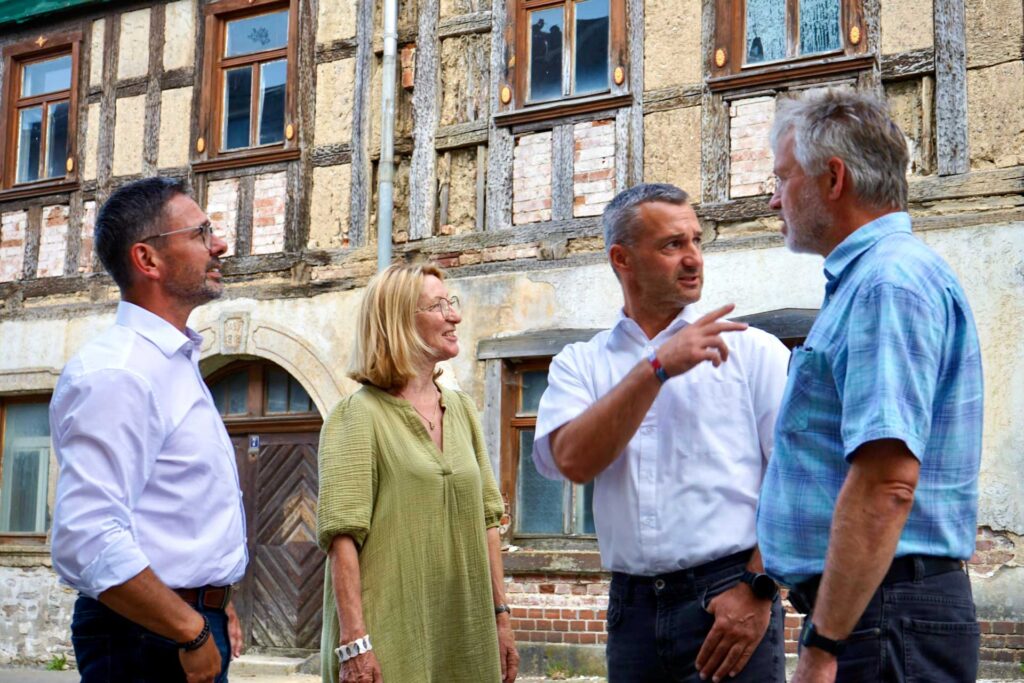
(893, 354)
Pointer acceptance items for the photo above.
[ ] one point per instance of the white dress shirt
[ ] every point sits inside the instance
(685, 489)
(147, 471)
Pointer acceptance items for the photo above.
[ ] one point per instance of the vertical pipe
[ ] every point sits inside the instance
(386, 166)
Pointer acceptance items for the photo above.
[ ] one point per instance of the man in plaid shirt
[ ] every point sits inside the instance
(869, 504)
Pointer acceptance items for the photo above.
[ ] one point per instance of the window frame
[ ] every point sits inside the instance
(512, 425)
(206, 152)
(726, 69)
(15, 57)
(28, 538)
(513, 108)
(256, 399)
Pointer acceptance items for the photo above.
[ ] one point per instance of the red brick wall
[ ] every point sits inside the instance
(554, 608)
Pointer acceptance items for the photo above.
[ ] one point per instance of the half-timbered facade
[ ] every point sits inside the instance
(516, 121)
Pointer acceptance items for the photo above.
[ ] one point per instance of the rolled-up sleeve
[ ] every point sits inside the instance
(348, 474)
(494, 506)
(106, 428)
(567, 397)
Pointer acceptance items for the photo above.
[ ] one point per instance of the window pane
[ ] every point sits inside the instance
(256, 34)
(539, 509)
(534, 384)
(237, 99)
(57, 140)
(277, 391)
(546, 27)
(26, 467)
(766, 30)
(298, 399)
(30, 132)
(231, 394)
(819, 26)
(591, 46)
(585, 517)
(272, 91)
(51, 75)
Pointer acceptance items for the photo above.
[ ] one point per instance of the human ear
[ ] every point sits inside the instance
(145, 260)
(619, 257)
(837, 178)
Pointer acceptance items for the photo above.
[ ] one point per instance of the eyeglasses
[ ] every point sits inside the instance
(443, 306)
(205, 231)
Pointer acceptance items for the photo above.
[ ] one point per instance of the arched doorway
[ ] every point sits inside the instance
(275, 428)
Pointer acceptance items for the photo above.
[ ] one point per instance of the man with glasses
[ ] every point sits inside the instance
(869, 506)
(671, 414)
(148, 522)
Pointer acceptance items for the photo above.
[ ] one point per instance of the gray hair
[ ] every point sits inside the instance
(620, 216)
(855, 127)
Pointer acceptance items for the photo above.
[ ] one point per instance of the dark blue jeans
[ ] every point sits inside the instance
(112, 649)
(656, 628)
(921, 631)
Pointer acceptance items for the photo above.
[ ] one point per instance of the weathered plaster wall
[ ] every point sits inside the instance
(906, 25)
(995, 31)
(672, 47)
(92, 142)
(96, 53)
(128, 135)
(465, 77)
(179, 26)
(995, 117)
(335, 88)
(175, 107)
(35, 615)
(336, 20)
(133, 58)
(328, 219)
(672, 148)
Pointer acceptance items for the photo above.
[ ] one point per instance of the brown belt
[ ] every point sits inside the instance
(208, 597)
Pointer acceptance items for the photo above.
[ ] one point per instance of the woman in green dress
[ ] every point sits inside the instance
(408, 509)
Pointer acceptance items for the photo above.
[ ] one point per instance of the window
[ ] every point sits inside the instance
(248, 390)
(40, 97)
(25, 465)
(569, 54)
(754, 39)
(248, 100)
(540, 508)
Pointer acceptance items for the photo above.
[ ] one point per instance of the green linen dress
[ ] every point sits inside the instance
(419, 518)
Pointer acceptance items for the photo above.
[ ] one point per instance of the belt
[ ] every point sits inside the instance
(688, 575)
(907, 568)
(206, 597)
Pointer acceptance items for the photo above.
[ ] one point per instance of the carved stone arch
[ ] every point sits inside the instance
(236, 334)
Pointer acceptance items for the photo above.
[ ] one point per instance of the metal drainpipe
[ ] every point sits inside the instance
(386, 167)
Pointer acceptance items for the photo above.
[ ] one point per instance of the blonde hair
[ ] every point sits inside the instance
(387, 345)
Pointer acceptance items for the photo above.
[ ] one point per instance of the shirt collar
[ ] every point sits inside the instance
(862, 239)
(158, 331)
(626, 325)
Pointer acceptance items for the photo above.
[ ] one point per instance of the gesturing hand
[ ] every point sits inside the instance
(698, 342)
(362, 668)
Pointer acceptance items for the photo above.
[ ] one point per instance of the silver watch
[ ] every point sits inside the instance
(354, 649)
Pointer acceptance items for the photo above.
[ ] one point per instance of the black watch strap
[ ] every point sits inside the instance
(810, 637)
(498, 609)
(761, 584)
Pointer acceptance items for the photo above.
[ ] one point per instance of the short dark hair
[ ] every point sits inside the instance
(132, 212)
(621, 214)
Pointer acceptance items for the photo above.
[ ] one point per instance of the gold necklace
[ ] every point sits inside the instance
(429, 421)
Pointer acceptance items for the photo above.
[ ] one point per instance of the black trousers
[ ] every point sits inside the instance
(112, 649)
(919, 631)
(656, 626)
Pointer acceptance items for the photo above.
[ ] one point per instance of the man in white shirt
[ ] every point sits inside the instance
(672, 415)
(148, 523)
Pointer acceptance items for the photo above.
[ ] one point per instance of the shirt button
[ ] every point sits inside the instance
(646, 430)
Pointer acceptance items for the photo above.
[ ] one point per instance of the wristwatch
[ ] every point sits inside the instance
(810, 637)
(762, 585)
(498, 609)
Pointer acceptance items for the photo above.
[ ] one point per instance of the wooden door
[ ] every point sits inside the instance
(285, 576)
